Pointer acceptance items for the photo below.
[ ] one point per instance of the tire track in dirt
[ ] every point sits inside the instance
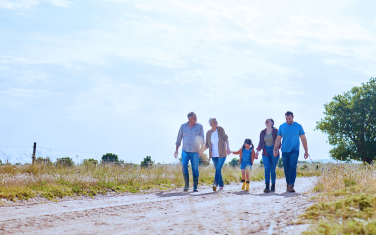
(232, 211)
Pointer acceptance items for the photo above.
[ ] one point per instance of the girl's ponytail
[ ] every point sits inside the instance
(248, 141)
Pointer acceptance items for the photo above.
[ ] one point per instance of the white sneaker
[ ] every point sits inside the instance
(220, 189)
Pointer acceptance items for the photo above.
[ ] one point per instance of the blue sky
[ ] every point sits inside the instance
(120, 76)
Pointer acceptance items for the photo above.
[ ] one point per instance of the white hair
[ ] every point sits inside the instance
(211, 119)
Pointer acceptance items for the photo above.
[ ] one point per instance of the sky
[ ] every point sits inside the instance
(85, 78)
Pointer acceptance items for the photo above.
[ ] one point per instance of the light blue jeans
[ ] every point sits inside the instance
(270, 163)
(218, 164)
(290, 162)
(194, 158)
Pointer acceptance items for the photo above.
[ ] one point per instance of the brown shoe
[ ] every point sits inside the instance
(291, 188)
(288, 188)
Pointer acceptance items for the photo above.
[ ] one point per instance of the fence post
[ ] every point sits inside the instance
(34, 148)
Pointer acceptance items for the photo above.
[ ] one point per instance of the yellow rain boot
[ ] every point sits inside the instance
(247, 186)
(243, 187)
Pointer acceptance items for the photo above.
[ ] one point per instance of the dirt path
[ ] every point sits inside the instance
(232, 211)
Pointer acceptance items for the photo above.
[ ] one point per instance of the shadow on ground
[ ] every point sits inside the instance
(285, 194)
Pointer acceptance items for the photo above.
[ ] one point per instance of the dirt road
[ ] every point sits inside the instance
(232, 211)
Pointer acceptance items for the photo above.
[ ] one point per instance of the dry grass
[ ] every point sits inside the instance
(51, 181)
(346, 201)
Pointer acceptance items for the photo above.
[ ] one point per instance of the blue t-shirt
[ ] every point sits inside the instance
(290, 136)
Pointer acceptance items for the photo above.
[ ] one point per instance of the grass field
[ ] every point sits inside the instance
(52, 182)
(346, 201)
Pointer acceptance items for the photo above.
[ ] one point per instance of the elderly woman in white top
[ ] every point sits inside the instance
(217, 143)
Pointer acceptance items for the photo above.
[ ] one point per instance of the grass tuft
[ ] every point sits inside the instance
(346, 201)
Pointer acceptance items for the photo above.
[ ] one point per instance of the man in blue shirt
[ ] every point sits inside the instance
(192, 134)
(290, 132)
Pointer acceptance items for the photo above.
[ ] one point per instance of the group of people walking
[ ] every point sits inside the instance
(216, 140)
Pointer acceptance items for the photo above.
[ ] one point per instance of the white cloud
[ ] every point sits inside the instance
(60, 3)
(14, 4)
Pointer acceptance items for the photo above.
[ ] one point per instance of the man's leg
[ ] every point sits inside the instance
(215, 161)
(218, 170)
(194, 162)
(184, 166)
(273, 167)
(292, 166)
(286, 162)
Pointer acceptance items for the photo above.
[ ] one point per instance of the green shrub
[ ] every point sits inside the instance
(203, 160)
(43, 160)
(280, 163)
(147, 162)
(110, 157)
(234, 162)
(64, 161)
(90, 161)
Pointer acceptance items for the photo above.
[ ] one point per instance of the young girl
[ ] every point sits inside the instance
(246, 157)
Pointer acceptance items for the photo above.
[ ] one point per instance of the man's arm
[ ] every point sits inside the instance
(277, 143)
(178, 142)
(305, 145)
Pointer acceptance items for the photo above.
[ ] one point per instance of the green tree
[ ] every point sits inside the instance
(234, 162)
(147, 162)
(350, 123)
(203, 160)
(110, 157)
(280, 163)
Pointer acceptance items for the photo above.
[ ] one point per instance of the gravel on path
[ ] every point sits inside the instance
(231, 211)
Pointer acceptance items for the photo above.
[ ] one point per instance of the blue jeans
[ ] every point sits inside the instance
(185, 157)
(290, 162)
(270, 163)
(218, 164)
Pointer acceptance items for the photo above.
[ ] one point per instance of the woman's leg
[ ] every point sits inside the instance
(218, 170)
(215, 161)
(267, 166)
(247, 175)
(243, 174)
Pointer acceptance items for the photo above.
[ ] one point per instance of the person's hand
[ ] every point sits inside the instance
(275, 153)
(257, 153)
(199, 152)
(240, 161)
(176, 154)
(256, 157)
(228, 151)
(306, 155)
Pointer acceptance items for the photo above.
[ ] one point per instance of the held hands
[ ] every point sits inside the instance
(275, 153)
(257, 153)
(228, 151)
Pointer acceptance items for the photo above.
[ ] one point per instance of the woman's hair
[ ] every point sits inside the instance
(211, 119)
(248, 141)
(272, 121)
